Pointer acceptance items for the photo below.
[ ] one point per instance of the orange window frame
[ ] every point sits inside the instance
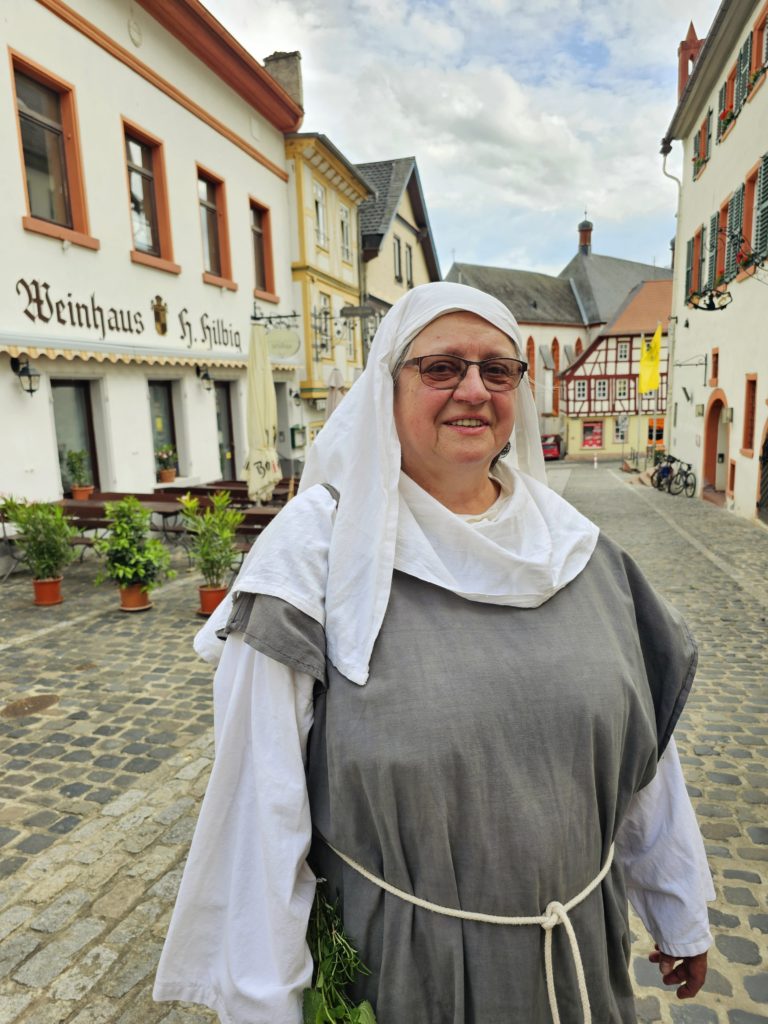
(696, 267)
(730, 88)
(268, 292)
(223, 280)
(715, 368)
(750, 415)
(165, 243)
(758, 39)
(79, 233)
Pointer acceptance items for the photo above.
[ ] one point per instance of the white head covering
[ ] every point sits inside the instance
(535, 547)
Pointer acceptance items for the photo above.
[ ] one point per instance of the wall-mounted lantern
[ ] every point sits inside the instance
(29, 376)
(204, 377)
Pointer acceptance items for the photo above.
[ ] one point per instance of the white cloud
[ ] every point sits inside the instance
(519, 115)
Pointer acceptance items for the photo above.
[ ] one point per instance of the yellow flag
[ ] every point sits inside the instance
(650, 359)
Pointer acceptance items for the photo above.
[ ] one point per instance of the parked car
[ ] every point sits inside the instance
(552, 446)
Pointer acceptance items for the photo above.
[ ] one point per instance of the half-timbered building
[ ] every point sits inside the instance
(605, 414)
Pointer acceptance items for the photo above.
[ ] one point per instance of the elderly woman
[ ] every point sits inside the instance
(489, 688)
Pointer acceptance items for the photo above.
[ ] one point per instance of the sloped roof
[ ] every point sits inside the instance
(390, 178)
(603, 282)
(648, 304)
(531, 298)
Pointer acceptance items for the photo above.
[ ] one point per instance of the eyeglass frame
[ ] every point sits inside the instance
(416, 361)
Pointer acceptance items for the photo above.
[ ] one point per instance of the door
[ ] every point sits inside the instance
(762, 505)
(73, 421)
(225, 431)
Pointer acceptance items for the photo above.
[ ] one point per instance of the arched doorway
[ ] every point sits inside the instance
(716, 431)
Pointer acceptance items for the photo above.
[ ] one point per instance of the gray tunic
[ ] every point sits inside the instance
(487, 765)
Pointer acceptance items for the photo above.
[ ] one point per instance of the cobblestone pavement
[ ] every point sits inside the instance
(99, 792)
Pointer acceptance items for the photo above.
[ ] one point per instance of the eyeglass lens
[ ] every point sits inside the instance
(440, 371)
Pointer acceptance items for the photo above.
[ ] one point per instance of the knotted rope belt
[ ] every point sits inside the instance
(555, 914)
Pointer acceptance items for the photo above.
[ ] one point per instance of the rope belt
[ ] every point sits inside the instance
(555, 914)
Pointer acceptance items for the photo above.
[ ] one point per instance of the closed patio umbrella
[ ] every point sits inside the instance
(262, 466)
(336, 391)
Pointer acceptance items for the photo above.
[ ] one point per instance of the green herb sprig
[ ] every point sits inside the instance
(337, 964)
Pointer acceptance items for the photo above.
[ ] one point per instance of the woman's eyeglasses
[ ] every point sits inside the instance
(445, 372)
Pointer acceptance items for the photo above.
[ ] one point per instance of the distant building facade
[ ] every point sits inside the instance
(560, 317)
(397, 247)
(145, 205)
(720, 302)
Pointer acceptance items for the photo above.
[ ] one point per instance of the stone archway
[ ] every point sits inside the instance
(716, 445)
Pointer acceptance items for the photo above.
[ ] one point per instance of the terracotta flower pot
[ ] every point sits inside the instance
(82, 493)
(166, 476)
(48, 591)
(134, 599)
(210, 598)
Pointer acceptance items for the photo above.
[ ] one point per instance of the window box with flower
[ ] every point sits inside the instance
(727, 117)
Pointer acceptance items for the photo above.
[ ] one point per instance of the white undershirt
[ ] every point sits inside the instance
(237, 939)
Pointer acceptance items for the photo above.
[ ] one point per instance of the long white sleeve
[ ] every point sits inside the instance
(660, 847)
(237, 938)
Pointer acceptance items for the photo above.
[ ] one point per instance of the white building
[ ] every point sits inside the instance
(145, 205)
(720, 299)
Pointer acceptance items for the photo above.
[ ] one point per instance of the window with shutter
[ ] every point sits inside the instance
(713, 224)
(761, 210)
(733, 241)
(696, 153)
(702, 258)
(688, 266)
(742, 73)
(721, 109)
(708, 146)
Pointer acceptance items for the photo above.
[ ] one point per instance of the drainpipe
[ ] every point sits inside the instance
(666, 149)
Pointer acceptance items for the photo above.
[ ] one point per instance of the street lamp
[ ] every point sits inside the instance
(29, 376)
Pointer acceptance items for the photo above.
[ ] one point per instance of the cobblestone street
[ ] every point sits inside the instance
(99, 791)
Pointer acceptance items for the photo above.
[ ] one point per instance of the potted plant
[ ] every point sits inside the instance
(135, 562)
(165, 457)
(77, 467)
(212, 534)
(44, 538)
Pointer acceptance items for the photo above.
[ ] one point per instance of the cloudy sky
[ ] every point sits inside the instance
(521, 115)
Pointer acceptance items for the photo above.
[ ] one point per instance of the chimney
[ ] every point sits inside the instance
(687, 52)
(285, 68)
(585, 237)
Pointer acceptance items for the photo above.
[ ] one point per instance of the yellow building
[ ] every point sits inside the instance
(326, 193)
(398, 249)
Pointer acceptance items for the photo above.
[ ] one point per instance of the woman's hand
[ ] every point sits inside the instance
(689, 972)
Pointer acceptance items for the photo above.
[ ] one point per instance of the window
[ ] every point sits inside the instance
(722, 234)
(712, 248)
(581, 391)
(702, 145)
(73, 423)
(592, 436)
(161, 407)
(261, 237)
(620, 430)
(743, 69)
(409, 265)
(398, 256)
(760, 234)
(656, 432)
(750, 405)
(733, 238)
(321, 220)
(760, 46)
(622, 389)
(601, 390)
(346, 234)
(325, 315)
(715, 368)
(217, 268)
(623, 351)
(696, 252)
(150, 219)
(51, 156)
(225, 430)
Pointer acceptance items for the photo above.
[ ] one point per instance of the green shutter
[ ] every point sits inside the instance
(696, 152)
(702, 257)
(714, 221)
(720, 108)
(688, 266)
(761, 209)
(708, 148)
(733, 240)
(742, 73)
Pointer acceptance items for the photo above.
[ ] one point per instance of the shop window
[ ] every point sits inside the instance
(161, 408)
(750, 406)
(73, 422)
(50, 152)
(148, 197)
(656, 432)
(620, 431)
(592, 436)
(217, 266)
(261, 238)
(225, 430)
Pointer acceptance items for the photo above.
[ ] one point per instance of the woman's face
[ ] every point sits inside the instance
(443, 433)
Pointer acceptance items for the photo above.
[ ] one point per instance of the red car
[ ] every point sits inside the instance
(552, 446)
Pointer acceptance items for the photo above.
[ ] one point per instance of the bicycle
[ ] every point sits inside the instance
(663, 472)
(683, 480)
